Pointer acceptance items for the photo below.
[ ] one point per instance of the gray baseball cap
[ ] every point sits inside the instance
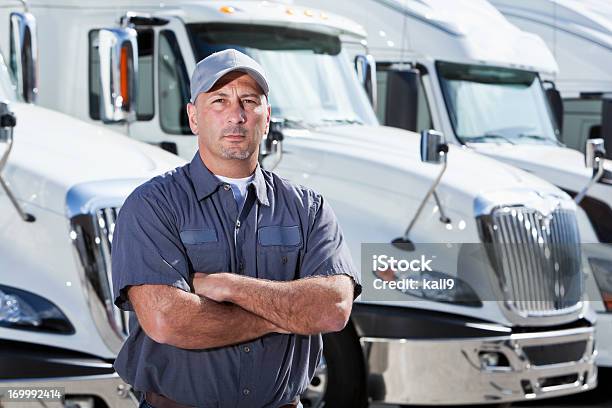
(212, 68)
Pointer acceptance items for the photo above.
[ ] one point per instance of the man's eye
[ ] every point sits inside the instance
(249, 101)
(219, 100)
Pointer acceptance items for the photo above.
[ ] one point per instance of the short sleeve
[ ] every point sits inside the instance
(146, 248)
(326, 252)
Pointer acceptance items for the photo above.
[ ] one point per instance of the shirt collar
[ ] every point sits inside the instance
(205, 183)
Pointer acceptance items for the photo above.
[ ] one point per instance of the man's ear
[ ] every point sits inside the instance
(269, 115)
(192, 114)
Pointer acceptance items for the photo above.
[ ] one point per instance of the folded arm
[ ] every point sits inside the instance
(173, 316)
(305, 306)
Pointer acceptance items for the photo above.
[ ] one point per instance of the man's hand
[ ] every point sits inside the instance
(214, 286)
(219, 287)
(304, 306)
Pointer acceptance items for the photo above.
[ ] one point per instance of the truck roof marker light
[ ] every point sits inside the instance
(290, 11)
(308, 13)
(227, 9)
(324, 16)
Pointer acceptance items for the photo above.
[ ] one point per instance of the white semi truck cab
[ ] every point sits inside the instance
(579, 34)
(60, 179)
(125, 65)
(463, 69)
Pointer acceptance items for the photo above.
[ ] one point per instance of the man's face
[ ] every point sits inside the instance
(231, 119)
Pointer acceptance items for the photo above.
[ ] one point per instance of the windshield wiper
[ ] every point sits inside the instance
(341, 121)
(488, 137)
(291, 123)
(539, 138)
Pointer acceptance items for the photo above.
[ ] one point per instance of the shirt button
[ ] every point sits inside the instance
(226, 187)
(246, 391)
(238, 224)
(241, 266)
(247, 349)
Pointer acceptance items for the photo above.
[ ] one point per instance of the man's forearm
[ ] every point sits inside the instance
(305, 306)
(189, 321)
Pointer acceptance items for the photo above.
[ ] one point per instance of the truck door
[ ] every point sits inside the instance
(165, 64)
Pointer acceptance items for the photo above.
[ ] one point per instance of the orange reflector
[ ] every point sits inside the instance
(227, 9)
(607, 298)
(124, 76)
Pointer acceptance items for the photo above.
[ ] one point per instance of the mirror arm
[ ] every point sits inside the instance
(443, 151)
(7, 123)
(597, 175)
(276, 145)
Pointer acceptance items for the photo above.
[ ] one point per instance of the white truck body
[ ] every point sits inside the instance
(373, 178)
(471, 33)
(579, 34)
(54, 154)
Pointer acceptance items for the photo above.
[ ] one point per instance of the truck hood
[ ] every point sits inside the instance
(562, 166)
(464, 175)
(53, 152)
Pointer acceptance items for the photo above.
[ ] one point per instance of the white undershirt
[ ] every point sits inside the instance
(239, 187)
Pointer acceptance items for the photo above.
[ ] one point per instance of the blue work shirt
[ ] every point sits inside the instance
(187, 221)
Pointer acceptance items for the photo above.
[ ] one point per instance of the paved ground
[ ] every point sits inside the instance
(598, 398)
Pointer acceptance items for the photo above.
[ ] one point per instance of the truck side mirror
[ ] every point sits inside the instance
(606, 124)
(556, 104)
(433, 150)
(118, 53)
(594, 153)
(402, 101)
(365, 66)
(272, 143)
(433, 147)
(24, 54)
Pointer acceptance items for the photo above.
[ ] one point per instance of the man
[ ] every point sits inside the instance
(232, 272)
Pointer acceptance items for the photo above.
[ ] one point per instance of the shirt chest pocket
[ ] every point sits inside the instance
(204, 250)
(279, 251)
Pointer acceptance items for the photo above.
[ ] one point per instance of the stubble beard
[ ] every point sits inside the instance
(236, 152)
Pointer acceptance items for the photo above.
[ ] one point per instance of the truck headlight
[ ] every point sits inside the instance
(602, 270)
(460, 292)
(24, 310)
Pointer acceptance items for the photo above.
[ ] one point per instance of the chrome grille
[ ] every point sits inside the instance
(536, 258)
(92, 235)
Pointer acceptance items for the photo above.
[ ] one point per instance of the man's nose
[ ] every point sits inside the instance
(237, 113)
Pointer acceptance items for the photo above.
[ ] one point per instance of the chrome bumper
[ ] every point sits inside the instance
(109, 387)
(450, 371)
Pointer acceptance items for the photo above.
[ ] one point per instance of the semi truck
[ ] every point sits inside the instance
(463, 69)
(125, 65)
(60, 180)
(579, 34)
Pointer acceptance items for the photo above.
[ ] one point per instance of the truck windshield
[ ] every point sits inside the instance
(7, 86)
(496, 104)
(311, 81)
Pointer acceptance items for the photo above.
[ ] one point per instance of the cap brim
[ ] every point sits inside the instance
(210, 83)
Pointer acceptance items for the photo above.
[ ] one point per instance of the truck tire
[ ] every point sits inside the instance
(340, 380)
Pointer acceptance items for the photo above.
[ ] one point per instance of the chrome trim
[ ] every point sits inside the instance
(448, 371)
(533, 244)
(92, 209)
(485, 203)
(108, 387)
